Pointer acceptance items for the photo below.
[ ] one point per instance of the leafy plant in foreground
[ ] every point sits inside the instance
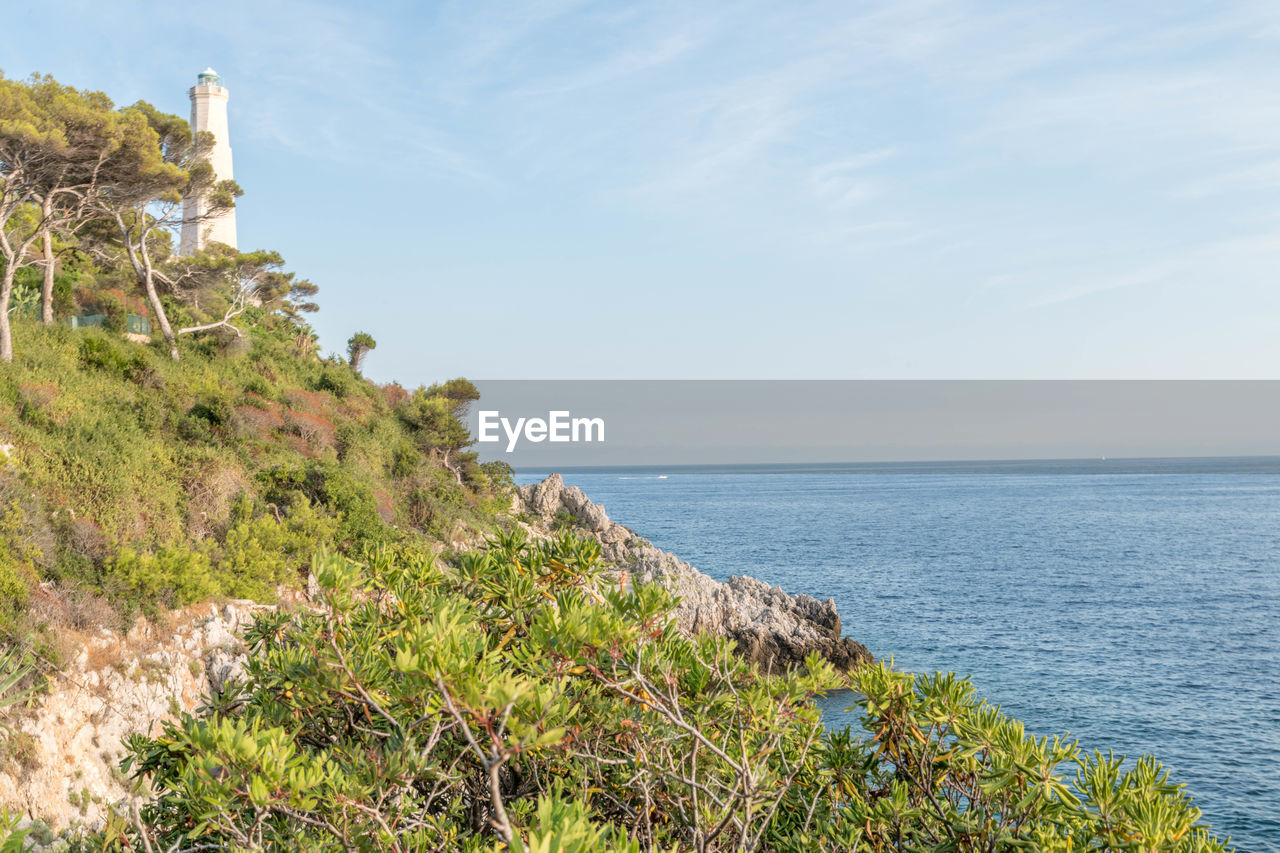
(520, 701)
(13, 672)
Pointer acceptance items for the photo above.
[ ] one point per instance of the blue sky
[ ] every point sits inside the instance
(740, 190)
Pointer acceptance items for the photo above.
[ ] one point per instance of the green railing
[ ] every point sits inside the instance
(84, 321)
(133, 323)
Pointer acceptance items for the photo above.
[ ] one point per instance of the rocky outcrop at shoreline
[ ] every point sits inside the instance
(772, 628)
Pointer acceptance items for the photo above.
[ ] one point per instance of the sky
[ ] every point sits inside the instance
(570, 190)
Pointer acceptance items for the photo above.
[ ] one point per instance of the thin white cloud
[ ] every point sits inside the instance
(631, 61)
(1260, 177)
(1149, 274)
(842, 183)
(1217, 264)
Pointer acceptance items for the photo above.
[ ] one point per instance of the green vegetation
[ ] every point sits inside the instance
(218, 470)
(517, 700)
(157, 483)
(508, 697)
(13, 673)
(358, 347)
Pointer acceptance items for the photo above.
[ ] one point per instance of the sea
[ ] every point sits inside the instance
(1134, 604)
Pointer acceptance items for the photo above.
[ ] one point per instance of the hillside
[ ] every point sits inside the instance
(133, 485)
(155, 483)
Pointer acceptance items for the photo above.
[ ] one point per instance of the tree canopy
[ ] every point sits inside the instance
(357, 347)
(79, 175)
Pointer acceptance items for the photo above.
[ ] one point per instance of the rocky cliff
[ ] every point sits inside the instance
(64, 763)
(771, 627)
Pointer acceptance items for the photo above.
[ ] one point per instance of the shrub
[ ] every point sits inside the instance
(216, 409)
(564, 520)
(20, 555)
(315, 430)
(212, 485)
(330, 485)
(405, 459)
(393, 394)
(262, 553)
(85, 540)
(100, 352)
(197, 427)
(38, 405)
(256, 384)
(16, 579)
(501, 477)
(153, 580)
(37, 395)
(254, 422)
(519, 702)
(318, 403)
(336, 379)
(435, 502)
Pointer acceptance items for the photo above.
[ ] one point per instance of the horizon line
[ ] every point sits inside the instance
(689, 466)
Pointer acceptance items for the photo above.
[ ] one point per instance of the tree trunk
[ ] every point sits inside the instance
(165, 329)
(6, 331)
(457, 475)
(141, 260)
(46, 291)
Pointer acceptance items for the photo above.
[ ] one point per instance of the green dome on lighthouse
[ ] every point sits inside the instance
(207, 77)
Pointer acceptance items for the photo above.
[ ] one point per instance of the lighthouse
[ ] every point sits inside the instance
(209, 112)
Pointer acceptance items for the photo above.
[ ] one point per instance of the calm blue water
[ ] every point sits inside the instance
(1138, 611)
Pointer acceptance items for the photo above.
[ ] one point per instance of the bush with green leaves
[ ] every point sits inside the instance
(12, 838)
(501, 476)
(20, 554)
(262, 553)
(520, 701)
(16, 670)
(122, 458)
(940, 769)
(167, 577)
(346, 494)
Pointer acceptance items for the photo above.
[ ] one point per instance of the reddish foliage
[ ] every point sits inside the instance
(253, 421)
(318, 403)
(394, 394)
(317, 431)
(299, 445)
(37, 395)
(386, 505)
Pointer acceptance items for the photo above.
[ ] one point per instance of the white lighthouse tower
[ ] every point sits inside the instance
(209, 112)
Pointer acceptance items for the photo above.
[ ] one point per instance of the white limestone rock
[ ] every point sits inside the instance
(771, 627)
(67, 772)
